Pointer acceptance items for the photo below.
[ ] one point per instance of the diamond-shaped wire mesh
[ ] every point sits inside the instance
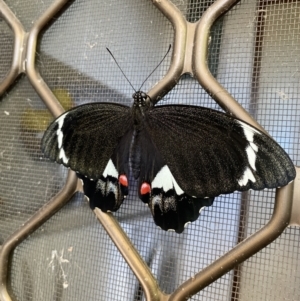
(254, 53)
(27, 181)
(7, 43)
(28, 12)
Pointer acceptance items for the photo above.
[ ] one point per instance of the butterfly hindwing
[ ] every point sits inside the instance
(210, 153)
(170, 206)
(107, 192)
(173, 212)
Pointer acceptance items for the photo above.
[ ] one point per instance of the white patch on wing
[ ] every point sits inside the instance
(254, 146)
(101, 186)
(251, 151)
(186, 224)
(248, 175)
(59, 137)
(169, 204)
(156, 200)
(63, 156)
(251, 156)
(59, 132)
(107, 187)
(165, 180)
(248, 130)
(111, 187)
(201, 209)
(110, 170)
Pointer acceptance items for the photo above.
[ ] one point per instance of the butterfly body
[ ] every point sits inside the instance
(183, 156)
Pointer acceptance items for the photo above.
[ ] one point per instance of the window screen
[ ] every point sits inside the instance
(254, 53)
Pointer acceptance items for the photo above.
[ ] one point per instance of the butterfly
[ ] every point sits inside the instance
(183, 156)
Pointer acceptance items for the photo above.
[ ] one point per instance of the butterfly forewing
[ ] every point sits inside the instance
(171, 207)
(210, 153)
(86, 137)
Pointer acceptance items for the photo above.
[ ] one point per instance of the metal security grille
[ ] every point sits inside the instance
(253, 52)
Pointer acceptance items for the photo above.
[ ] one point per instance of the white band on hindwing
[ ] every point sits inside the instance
(165, 180)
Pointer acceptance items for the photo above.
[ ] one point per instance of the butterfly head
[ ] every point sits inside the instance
(141, 99)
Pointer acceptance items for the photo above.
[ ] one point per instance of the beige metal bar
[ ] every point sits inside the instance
(201, 71)
(40, 217)
(35, 78)
(179, 24)
(131, 256)
(244, 250)
(185, 35)
(190, 56)
(19, 39)
(18, 66)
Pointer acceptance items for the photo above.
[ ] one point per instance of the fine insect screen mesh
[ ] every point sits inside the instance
(254, 53)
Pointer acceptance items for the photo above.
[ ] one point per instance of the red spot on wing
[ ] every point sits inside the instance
(145, 188)
(123, 180)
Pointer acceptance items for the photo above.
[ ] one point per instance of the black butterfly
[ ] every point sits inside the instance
(184, 156)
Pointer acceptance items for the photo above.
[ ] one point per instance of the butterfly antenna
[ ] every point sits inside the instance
(120, 69)
(156, 67)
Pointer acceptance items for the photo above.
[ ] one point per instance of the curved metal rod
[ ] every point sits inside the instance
(179, 24)
(131, 256)
(35, 78)
(244, 250)
(40, 217)
(179, 65)
(19, 37)
(201, 70)
(50, 100)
